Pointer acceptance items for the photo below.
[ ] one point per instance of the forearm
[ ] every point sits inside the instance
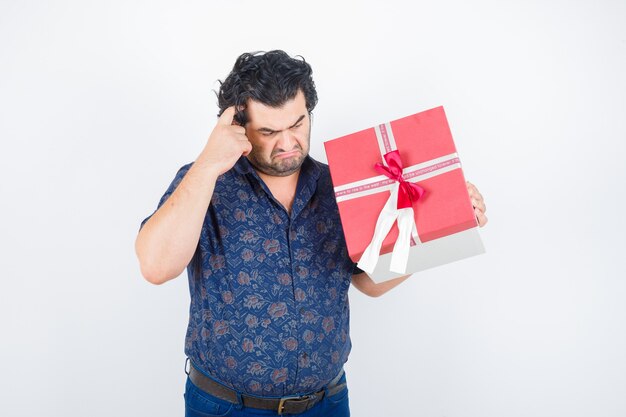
(168, 240)
(366, 285)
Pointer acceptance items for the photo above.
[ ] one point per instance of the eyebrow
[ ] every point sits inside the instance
(268, 130)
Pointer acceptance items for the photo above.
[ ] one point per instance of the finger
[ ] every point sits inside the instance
(240, 130)
(480, 217)
(227, 116)
(471, 188)
(474, 194)
(247, 147)
(479, 204)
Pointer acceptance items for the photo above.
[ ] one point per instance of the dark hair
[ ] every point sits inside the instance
(271, 78)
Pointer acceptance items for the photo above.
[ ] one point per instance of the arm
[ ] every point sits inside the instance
(168, 240)
(367, 286)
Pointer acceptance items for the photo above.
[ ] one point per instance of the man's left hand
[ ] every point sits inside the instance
(478, 203)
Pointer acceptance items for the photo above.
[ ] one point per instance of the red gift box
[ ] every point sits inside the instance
(444, 216)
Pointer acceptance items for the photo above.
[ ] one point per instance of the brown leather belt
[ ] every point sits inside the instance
(291, 404)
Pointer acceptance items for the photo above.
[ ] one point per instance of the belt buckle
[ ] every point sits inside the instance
(281, 403)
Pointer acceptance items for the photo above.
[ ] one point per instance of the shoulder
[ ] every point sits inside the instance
(180, 174)
(320, 170)
(324, 183)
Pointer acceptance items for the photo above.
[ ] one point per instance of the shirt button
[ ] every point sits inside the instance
(301, 310)
(305, 355)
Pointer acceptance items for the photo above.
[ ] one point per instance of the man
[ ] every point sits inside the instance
(255, 223)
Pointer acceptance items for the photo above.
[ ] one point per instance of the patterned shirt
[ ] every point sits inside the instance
(269, 310)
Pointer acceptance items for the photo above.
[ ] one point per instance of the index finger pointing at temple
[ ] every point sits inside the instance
(227, 116)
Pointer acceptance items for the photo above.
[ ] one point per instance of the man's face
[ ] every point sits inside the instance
(279, 136)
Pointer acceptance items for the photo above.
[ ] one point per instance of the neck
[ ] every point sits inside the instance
(283, 188)
(286, 182)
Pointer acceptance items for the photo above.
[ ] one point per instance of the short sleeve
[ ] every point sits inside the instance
(356, 270)
(170, 190)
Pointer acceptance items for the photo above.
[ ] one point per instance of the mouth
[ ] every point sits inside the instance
(288, 154)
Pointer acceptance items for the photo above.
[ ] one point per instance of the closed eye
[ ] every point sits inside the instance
(268, 132)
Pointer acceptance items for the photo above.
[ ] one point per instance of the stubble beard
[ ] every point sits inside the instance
(280, 167)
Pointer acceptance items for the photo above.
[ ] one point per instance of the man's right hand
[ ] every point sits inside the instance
(226, 144)
(167, 242)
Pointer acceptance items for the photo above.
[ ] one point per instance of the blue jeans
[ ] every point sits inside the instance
(200, 404)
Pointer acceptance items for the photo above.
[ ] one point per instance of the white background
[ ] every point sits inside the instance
(102, 101)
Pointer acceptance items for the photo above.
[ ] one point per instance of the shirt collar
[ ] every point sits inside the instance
(243, 166)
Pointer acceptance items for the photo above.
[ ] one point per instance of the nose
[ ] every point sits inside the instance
(286, 140)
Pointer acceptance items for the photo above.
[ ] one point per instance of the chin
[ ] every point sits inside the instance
(287, 169)
(281, 168)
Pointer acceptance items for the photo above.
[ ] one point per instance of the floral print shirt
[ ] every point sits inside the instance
(269, 310)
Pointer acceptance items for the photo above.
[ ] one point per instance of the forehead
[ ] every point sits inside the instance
(276, 118)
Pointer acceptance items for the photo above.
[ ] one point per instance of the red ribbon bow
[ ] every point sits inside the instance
(408, 192)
